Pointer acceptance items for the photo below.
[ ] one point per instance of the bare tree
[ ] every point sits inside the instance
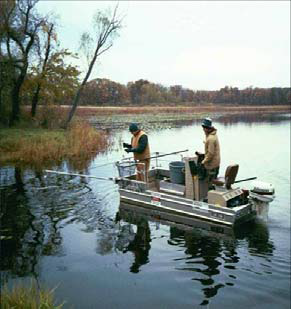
(106, 27)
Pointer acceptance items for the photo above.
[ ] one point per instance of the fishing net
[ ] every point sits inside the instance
(126, 168)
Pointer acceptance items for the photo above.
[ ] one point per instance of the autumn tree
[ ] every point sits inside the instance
(20, 26)
(102, 91)
(58, 82)
(151, 93)
(43, 51)
(106, 27)
(135, 90)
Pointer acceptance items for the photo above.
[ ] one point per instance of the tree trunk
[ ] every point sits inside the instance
(14, 116)
(74, 106)
(1, 99)
(15, 95)
(37, 91)
(35, 100)
(77, 97)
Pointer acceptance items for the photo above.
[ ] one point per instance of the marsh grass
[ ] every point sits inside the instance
(85, 111)
(156, 117)
(28, 297)
(41, 147)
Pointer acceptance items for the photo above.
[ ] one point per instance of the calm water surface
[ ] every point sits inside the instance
(72, 233)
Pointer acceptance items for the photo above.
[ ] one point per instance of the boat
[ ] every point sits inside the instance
(182, 192)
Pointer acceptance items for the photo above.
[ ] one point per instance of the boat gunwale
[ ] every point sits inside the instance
(189, 202)
(177, 211)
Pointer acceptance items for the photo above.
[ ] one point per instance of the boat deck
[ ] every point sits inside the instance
(161, 195)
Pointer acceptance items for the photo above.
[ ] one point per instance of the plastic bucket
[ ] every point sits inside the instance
(177, 172)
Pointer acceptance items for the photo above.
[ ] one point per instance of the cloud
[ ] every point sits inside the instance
(231, 60)
(223, 65)
(197, 44)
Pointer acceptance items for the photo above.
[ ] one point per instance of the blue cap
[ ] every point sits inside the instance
(133, 127)
(207, 123)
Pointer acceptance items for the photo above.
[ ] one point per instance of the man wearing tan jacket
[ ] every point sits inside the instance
(211, 160)
(141, 151)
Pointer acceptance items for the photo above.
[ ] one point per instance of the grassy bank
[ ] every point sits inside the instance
(41, 147)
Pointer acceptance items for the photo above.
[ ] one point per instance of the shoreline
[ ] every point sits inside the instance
(36, 146)
(152, 116)
(103, 110)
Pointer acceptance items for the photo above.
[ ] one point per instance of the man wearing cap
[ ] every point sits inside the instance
(211, 160)
(141, 151)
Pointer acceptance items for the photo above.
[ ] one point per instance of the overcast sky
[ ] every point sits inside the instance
(196, 44)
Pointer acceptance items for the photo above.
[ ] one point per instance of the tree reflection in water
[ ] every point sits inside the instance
(16, 221)
(31, 219)
(34, 208)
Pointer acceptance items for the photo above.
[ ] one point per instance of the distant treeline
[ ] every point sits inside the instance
(142, 92)
(35, 70)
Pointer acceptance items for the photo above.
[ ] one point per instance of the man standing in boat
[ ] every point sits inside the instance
(141, 151)
(211, 160)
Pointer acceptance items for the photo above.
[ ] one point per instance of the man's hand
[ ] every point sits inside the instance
(199, 154)
(125, 145)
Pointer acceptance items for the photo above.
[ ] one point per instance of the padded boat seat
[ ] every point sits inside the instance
(229, 177)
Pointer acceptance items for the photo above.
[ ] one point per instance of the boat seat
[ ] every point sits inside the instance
(229, 177)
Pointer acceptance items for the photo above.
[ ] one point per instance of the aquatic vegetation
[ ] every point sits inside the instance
(28, 297)
(85, 111)
(157, 117)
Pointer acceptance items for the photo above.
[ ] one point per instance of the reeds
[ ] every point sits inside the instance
(53, 116)
(28, 297)
(40, 147)
(84, 140)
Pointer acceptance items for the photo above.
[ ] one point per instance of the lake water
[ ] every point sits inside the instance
(71, 233)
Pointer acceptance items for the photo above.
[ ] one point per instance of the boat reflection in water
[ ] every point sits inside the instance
(136, 214)
(211, 250)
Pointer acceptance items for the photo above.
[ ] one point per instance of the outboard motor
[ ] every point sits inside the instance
(261, 195)
(262, 191)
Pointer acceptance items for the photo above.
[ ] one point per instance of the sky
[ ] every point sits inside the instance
(201, 45)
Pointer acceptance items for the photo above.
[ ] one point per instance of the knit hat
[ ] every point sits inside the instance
(207, 123)
(133, 127)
